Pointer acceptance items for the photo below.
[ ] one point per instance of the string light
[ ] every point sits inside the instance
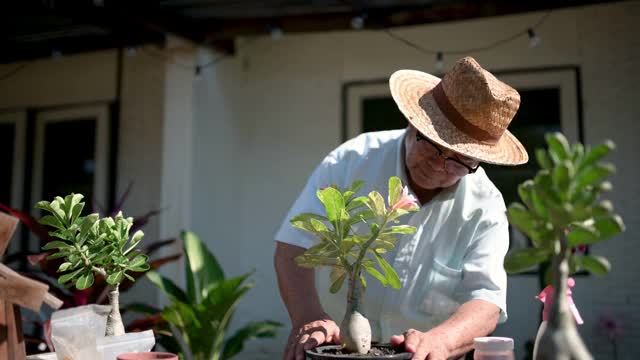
(357, 22)
(439, 61)
(534, 39)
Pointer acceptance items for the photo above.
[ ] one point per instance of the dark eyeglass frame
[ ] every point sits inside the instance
(420, 137)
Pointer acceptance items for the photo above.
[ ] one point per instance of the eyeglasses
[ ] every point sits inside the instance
(451, 165)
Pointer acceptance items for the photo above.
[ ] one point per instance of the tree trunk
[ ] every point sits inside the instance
(114, 320)
(560, 340)
(355, 330)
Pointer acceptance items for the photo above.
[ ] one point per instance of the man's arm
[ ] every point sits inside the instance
(454, 337)
(311, 326)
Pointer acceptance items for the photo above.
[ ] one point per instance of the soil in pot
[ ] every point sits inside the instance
(378, 351)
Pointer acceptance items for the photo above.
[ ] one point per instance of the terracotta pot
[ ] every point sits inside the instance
(148, 356)
(328, 352)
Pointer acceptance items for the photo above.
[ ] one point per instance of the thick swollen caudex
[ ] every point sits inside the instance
(114, 320)
(355, 333)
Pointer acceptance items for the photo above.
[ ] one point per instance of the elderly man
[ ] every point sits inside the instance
(454, 285)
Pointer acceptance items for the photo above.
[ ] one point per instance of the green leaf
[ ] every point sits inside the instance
(337, 284)
(592, 175)
(595, 154)
(135, 240)
(173, 292)
(395, 189)
(67, 277)
(235, 344)
(521, 218)
(50, 220)
(562, 175)
(64, 267)
(376, 274)
(400, 229)
(85, 281)
(558, 147)
(358, 202)
(609, 226)
(543, 159)
(333, 203)
(56, 245)
(523, 259)
(377, 203)
(115, 278)
(581, 234)
(138, 261)
(594, 264)
(389, 272)
(202, 268)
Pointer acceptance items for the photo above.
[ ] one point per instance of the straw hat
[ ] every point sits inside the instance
(467, 112)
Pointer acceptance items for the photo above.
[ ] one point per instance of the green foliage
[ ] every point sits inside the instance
(346, 250)
(562, 201)
(201, 315)
(90, 244)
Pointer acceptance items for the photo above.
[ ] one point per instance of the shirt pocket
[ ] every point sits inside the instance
(438, 299)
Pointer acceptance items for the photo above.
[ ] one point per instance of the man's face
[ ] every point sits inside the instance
(426, 164)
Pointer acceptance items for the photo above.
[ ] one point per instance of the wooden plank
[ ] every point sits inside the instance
(21, 290)
(8, 226)
(15, 338)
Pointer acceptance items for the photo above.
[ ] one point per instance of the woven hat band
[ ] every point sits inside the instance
(459, 121)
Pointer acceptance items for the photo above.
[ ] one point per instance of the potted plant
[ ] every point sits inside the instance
(92, 246)
(350, 253)
(561, 214)
(200, 316)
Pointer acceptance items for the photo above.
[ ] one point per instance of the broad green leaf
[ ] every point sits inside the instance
(358, 202)
(173, 292)
(337, 284)
(56, 245)
(389, 272)
(558, 146)
(85, 280)
(64, 267)
(235, 343)
(395, 189)
(543, 159)
(604, 208)
(594, 264)
(592, 175)
(333, 203)
(58, 212)
(308, 217)
(581, 234)
(67, 277)
(43, 205)
(524, 191)
(50, 220)
(521, 218)
(523, 259)
(595, 154)
(138, 261)
(400, 229)
(75, 212)
(89, 222)
(115, 278)
(562, 175)
(135, 240)
(609, 226)
(377, 203)
(376, 274)
(577, 153)
(202, 268)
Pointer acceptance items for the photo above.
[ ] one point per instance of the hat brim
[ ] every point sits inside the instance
(411, 90)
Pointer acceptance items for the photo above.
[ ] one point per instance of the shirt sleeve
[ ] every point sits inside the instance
(308, 201)
(483, 274)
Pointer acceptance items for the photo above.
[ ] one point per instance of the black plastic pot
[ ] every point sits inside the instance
(320, 353)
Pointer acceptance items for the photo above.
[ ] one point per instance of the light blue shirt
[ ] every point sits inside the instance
(455, 256)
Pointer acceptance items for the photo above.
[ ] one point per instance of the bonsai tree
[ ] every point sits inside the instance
(200, 316)
(350, 253)
(561, 212)
(92, 245)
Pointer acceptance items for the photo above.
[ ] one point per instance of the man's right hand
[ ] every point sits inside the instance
(308, 336)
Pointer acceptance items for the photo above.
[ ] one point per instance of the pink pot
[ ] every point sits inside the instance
(148, 356)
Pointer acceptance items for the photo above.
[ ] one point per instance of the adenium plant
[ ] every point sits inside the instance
(350, 252)
(561, 211)
(92, 245)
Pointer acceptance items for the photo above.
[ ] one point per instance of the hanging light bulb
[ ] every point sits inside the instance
(534, 39)
(131, 51)
(439, 61)
(276, 33)
(357, 22)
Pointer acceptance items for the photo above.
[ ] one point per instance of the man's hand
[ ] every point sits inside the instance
(310, 335)
(423, 345)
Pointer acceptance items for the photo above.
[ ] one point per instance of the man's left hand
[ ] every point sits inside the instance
(423, 345)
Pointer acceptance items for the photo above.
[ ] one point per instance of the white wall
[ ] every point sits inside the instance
(265, 118)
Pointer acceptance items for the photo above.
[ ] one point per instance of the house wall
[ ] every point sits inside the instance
(92, 78)
(264, 119)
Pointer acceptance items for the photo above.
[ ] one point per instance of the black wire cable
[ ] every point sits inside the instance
(466, 51)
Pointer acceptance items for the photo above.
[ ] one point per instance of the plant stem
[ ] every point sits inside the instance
(355, 330)
(114, 320)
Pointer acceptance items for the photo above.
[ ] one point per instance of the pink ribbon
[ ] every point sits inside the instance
(546, 296)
